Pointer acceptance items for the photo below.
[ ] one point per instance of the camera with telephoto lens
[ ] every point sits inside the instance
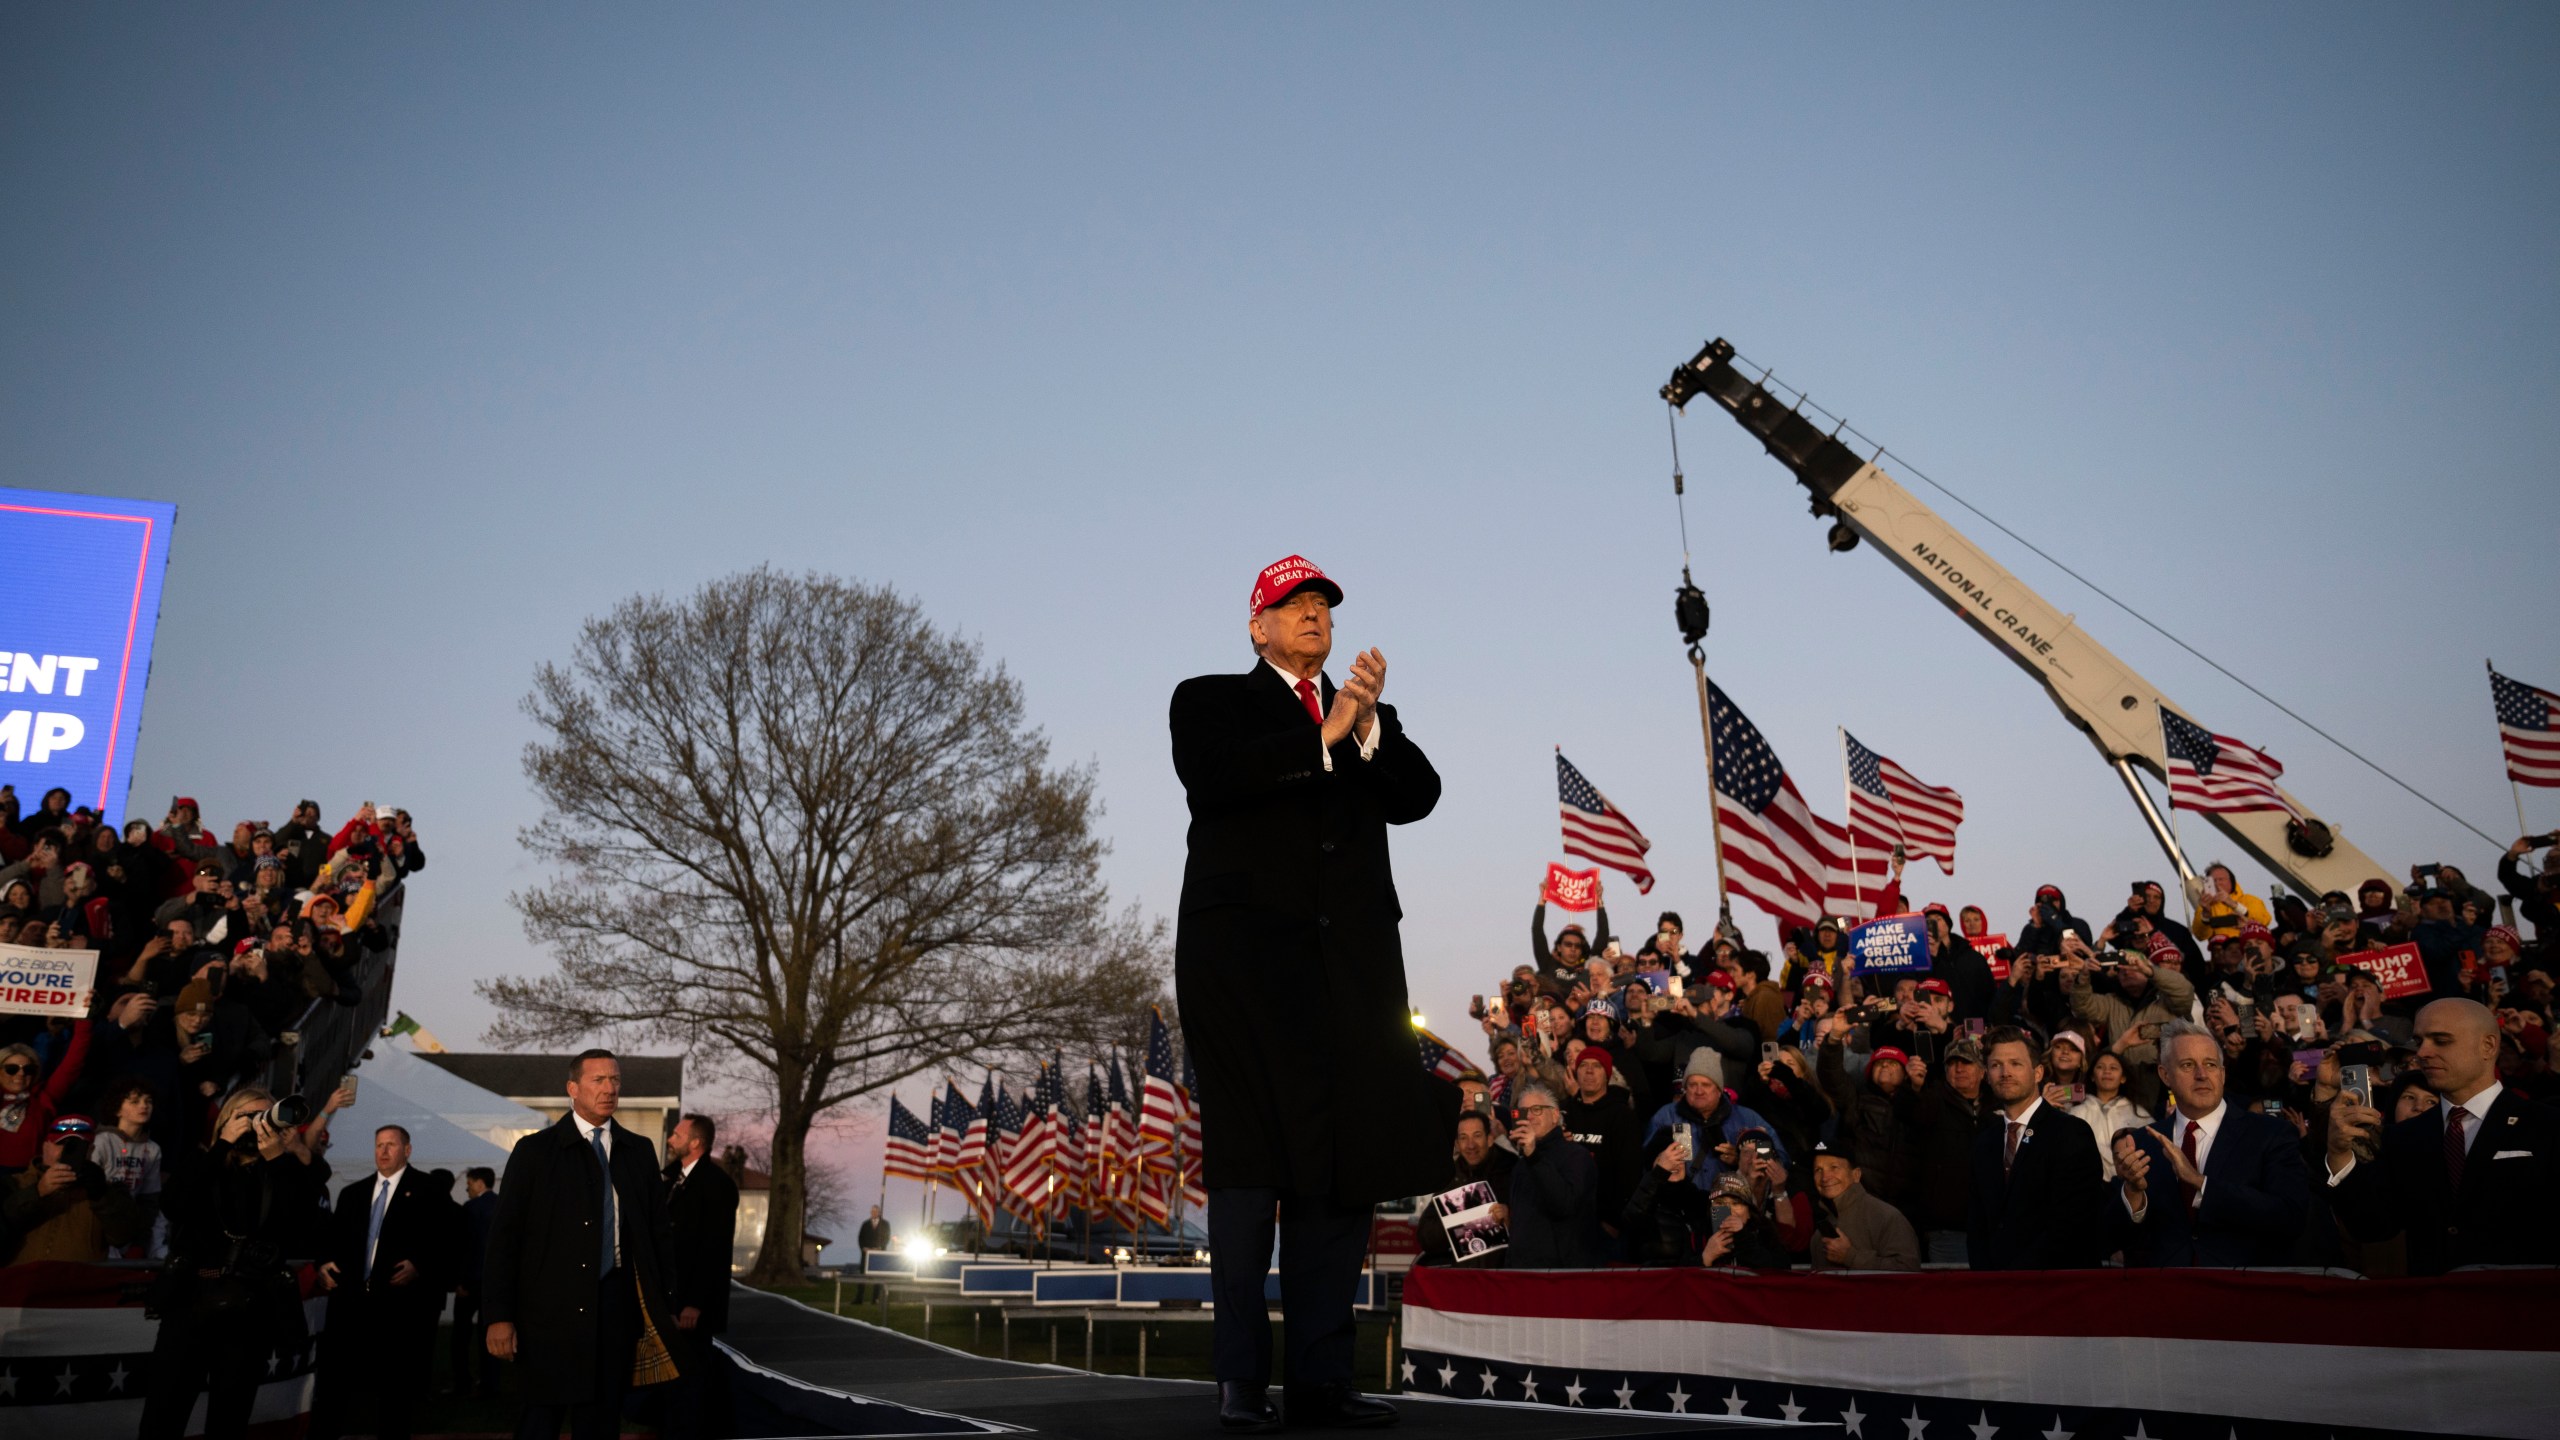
(287, 1113)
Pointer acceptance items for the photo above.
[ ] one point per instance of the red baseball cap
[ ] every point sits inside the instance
(1283, 578)
(1887, 1052)
(2252, 930)
(1720, 980)
(1934, 986)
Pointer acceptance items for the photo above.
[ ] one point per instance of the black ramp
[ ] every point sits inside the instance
(878, 1379)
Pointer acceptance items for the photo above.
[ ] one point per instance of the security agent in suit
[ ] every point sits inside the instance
(702, 1205)
(2473, 1181)
(2216, 1185)
(1289, 912)
(2038, 1192)
(579, 1256)
(391, 1258)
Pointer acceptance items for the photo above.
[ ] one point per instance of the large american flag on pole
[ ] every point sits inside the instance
(1194, 1188)
(1890, 805)
(1594, 829)
(2529, 729)
(1776, 852)
(2215, 773)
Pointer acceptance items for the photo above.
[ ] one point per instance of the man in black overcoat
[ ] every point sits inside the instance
(1313, 1102)
(575, 1281)
(2038, 1190)
(702, 1204)
(392, 1256)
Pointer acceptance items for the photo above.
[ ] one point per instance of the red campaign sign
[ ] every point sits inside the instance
(1984, 944)
(2398, 968)
(1572, 889)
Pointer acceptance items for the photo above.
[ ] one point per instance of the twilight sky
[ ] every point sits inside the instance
(447, 327)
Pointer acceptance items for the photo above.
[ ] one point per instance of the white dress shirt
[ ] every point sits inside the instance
(2206, 1127)
(2475, 1111)
(1368, 742)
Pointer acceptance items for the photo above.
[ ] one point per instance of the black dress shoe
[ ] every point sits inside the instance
(1339, 1406)
(1245, 1409)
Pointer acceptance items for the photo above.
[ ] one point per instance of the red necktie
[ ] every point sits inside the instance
(1307, 693)
(2455, 1152)
(2188, 1144)
(2009, 1153)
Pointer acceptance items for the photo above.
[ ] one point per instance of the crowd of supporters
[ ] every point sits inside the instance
(161, 1124)
(2179, 1080)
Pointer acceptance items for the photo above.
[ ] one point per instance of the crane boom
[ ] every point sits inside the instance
(2100, 694)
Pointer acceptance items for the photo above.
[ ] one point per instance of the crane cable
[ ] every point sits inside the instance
(1805, 402)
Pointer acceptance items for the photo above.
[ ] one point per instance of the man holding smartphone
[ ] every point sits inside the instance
(1289, 909)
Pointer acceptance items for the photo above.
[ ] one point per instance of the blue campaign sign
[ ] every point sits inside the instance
(75, 641)
(1893, 945)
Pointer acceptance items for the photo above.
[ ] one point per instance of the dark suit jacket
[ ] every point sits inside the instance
(545, 1250)
(2256, 1193)
(2503, 1214)
(1287, 962)
(419, 1226)
(703, 1207)
(2045, 1214)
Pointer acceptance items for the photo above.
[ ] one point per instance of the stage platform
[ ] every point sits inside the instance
(826, 1375)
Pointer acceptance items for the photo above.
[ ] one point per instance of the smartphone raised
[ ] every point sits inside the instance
(2355, 1083)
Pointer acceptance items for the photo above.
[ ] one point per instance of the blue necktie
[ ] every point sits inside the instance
(373, 1231)
(604, 1167)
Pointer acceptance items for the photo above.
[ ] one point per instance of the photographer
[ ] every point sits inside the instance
(2146, 992)
(65, 1207)
(243, 1210)
(1555, 1189)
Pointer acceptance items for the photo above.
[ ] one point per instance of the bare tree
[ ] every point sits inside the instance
(799, 831)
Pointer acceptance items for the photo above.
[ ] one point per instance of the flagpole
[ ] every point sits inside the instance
(2523, 827)
(1849, 818)
(1715, 819)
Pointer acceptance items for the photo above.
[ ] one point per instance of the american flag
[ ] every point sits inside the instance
(905, 1157)
(1888, 805)
(1119, 1147)
(1594, 829)
(1006, 1134)
(1777, 853)
(1097, 1130)
(1441, 1058)
(975, 1172)
(2210, 772)
(2529, 728)
(1070, 1131)
(1194, 1192)
(1026, 1167)
(1159, 1108)
(951, 1118)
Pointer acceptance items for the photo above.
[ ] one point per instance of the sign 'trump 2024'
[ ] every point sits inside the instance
(75, 642)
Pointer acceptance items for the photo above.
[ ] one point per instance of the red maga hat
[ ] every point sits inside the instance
(1286, 577)
(1935, 986)
(1887, 1052)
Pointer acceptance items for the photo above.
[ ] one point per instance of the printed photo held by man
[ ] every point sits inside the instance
(1289, 911)
(580, 1254)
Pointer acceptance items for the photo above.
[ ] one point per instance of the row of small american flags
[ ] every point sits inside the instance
(1128, 1154)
